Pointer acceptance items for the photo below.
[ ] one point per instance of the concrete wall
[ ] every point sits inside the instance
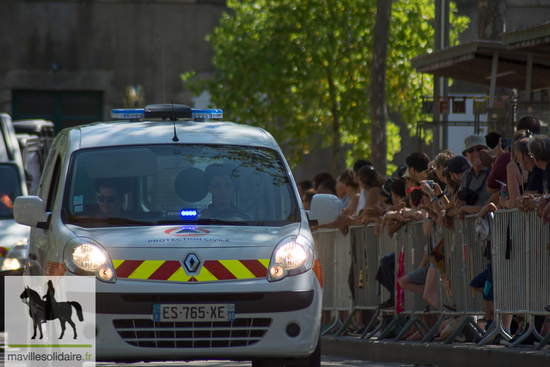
(104, 46)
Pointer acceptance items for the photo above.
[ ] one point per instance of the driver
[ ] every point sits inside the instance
(218, 180)
(111, 198)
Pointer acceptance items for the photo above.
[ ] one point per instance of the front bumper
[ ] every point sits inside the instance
(265, 316)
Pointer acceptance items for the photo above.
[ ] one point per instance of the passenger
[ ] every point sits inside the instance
(111, 199)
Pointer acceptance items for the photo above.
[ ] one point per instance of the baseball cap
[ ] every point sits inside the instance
(457, 164)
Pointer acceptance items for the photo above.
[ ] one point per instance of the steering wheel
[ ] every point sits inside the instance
(232, 213)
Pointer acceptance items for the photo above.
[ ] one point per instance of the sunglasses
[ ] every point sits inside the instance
(110, 199)
(477, 149)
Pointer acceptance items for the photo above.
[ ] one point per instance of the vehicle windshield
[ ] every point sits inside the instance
(172, 184)
(10, 188)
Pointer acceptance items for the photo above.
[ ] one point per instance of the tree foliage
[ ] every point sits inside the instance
(301, 69)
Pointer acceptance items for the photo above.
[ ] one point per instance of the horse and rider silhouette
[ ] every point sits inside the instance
(42, 311)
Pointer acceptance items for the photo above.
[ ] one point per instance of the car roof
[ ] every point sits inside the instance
(119, 133)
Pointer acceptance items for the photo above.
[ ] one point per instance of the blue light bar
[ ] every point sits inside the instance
(127, 114)
(139, 114)
(189, 213)
(207, 114)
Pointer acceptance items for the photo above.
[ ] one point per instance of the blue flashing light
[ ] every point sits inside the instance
(189, 228)
(207, 114)
(127, 114)
(189, 213)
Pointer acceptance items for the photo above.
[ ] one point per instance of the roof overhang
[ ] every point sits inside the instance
(473, 61)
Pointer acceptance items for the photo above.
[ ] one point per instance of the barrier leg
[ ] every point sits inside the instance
(393, 324)
(467, 321)
(347, 323)
(414, 321)
(543, 342)
(333, 323)
(430, 335)
(371, 323)
(525, 334)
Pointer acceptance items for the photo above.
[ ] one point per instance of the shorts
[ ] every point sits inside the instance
(484, 280)
(419, 275)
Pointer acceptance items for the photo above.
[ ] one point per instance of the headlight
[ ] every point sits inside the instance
(83, 256)
(292, 256)
(16, 256)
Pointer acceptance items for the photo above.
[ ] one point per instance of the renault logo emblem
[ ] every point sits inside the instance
(192, 263)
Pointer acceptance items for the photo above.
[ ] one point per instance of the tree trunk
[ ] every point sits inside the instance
(378, 108)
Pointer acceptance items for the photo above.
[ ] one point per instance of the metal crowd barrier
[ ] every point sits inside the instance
(521, 271)
(520, 265)
(386, 245)
(415, 245)
(364, 250)
(335, 256)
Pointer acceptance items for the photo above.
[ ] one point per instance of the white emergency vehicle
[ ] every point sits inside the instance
(12, 185)
(195, 232)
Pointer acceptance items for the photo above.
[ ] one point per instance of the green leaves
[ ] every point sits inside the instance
(300, 68)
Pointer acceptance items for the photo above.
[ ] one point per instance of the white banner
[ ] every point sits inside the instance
(49, 321)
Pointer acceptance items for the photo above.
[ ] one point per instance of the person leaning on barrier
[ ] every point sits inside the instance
(417, 166)
(539, 147)
(352, 190)
(453, 173)
(515, 178)
(534, 186)
(473, 194)
(369, 182)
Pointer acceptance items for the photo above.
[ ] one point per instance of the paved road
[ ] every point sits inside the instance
(326, 361)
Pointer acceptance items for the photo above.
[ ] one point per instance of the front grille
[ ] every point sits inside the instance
(147, 333)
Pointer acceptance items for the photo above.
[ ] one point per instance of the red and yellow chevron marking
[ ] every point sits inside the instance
(171, 270)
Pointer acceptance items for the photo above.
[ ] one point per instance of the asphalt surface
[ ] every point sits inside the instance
(434, 353)
(352, 351)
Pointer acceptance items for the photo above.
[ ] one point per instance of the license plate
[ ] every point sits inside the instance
(193, 312)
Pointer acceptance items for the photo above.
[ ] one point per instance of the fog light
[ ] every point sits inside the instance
(105, 273)
(276, 272)
(293, 330)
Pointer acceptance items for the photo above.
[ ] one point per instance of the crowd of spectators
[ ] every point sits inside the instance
(492, 173)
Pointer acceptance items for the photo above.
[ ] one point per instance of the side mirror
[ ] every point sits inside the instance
(324, 208)
(30, 211)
